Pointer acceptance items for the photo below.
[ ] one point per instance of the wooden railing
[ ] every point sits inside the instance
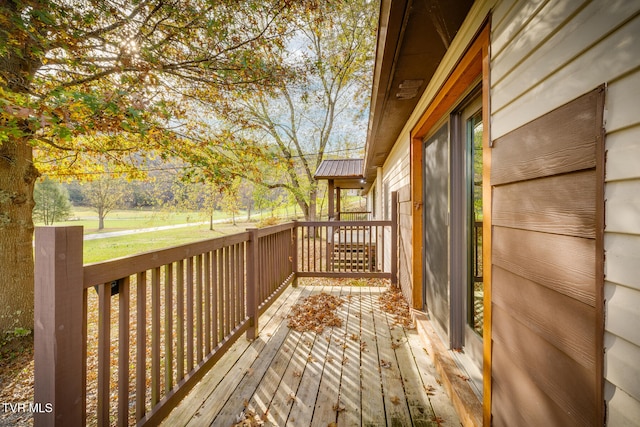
(346, 249)
(354, 216)
(177, 311)
(193, 300)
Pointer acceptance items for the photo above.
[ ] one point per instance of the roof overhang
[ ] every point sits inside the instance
(345, 173)
(413, 37)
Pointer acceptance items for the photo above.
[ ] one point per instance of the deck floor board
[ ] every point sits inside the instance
(367, 372)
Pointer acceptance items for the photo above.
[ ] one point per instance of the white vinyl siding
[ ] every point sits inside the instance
(544, 54)
(395, 175)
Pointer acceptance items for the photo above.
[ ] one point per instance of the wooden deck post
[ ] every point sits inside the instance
(330, 193)
(253, 286)
(294, 252)
(394, 238)
(59, 327)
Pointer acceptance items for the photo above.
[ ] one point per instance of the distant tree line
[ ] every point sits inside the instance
(54, 200)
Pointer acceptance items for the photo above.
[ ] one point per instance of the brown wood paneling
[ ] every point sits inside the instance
(561, 141)
(563, 204)
(517, 387)
(547, 327)
(528, 406)
(562, 263)
(562, 321)
(552, 370)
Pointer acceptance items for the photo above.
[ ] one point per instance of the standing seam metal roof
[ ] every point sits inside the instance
(340, 168)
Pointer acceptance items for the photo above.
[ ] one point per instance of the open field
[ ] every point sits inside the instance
(116, 247)
(134, 219)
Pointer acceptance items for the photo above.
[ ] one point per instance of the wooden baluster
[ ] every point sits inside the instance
(141, 345)
(123, 352)
(199, 343)
(180, 321)
(242, 266)
(221, 323)
(168, 326)
(207, 302)
(252, 284)
(215, 285)
(189, 285)
(155, 336)
(104, 352)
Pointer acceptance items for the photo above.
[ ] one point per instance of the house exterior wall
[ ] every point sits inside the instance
(396, 177)
(544, 54)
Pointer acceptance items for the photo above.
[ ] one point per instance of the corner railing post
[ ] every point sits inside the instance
(394, 238)
(59, 328)
(294, 252)
(253, 286)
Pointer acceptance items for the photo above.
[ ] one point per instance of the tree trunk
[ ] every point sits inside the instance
(313, 203)
(101, 216)
(17, 178)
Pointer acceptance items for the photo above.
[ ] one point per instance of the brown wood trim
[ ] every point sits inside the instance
(600, 255)
(416, 219)
(487, 218)
(465, 73)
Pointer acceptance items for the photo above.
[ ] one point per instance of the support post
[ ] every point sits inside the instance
(294, 253)
(338, 207)
(253, 285)
(394, 238)
(59, 328)
(331, 194)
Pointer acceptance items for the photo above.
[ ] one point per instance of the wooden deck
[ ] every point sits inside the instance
(368, 372)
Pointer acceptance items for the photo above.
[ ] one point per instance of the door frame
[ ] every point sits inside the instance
(472, 65)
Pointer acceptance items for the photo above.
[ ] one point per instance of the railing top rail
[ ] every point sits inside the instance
(108, 271)
(274, 229)
(343, 223)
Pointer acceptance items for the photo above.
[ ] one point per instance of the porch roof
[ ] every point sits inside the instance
(412, 40)
(346, 173)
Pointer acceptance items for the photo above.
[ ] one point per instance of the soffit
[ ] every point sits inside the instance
(413, 37)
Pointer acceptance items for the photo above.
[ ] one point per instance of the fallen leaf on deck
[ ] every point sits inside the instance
(338, 407)
(314, 313)
(393, 302)
(430, 390)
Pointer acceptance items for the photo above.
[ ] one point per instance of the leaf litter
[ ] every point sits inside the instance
(315, 313)
(393, 302)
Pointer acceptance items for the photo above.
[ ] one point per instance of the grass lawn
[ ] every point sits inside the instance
(116, 247)
(134, 219)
